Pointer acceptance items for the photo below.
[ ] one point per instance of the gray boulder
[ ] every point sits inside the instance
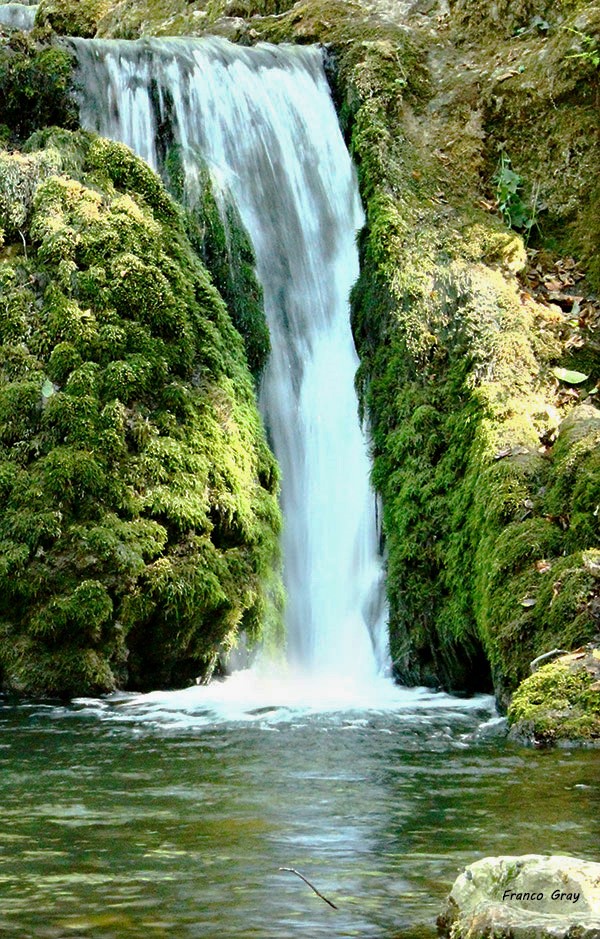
(526, 897)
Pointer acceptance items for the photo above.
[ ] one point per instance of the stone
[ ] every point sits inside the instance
(528, 897)
(559, 704)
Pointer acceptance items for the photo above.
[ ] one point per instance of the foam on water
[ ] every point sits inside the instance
(261, 698)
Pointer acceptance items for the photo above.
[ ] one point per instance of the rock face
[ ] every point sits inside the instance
(473, 127)
(527, 897)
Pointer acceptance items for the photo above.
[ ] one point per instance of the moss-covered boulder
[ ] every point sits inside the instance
(140, 520)
(73, 19)
(20, 176)
(560, 702)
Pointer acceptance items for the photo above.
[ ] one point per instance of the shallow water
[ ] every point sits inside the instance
(170, 815)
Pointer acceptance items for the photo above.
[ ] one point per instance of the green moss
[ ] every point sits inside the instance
(218, 235)
(123, 169)
(38, 671)
(36, 85)
(72, 19)
(509, 17)
(140, 523)
(556, 703)
(554, 88)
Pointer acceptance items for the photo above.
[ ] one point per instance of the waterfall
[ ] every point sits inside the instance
(17, 16)
(263, 121)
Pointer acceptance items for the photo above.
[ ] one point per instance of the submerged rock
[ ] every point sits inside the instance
(527, 897)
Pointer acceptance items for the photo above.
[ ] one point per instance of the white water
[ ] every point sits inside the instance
(266, 701)
(17, 16)
(264, 123)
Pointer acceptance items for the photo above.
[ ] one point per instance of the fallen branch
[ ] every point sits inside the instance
(545, 657)
(291, 870)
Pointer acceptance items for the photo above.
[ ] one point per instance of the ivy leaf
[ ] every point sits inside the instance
(571, 377)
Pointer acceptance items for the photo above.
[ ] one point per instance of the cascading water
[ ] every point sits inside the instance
(19, 16)
(263, 121)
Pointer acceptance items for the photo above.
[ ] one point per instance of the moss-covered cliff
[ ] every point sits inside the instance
(35, 86)
(139, 526)
(490, 500)
(486, 460)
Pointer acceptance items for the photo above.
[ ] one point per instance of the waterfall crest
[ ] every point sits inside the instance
(263, 121)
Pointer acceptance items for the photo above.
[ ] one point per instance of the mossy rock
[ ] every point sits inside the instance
(36, 86)
(219, 237)
(20, 176)
(559, 703)
(543, 115)
(72, 19)
(509, 16)
(140, 527)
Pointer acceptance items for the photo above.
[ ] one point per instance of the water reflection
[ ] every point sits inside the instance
(116, 823)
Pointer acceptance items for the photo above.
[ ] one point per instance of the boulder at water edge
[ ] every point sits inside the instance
(560, 702)
(527, 897)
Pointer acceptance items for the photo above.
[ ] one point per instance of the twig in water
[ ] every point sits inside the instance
(291, 870)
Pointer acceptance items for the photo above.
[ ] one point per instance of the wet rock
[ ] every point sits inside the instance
(527, 897)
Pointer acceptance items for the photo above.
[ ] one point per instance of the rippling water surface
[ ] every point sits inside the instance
(170, 815)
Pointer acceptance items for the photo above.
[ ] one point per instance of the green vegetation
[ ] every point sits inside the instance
(35, 87)
(510, 18)
(590, 52)
(140, 523)
(454, 376)
(488, 473)
(508, 185)
(222, 242)
(557, 703)
(73, 19)
(152, 17)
